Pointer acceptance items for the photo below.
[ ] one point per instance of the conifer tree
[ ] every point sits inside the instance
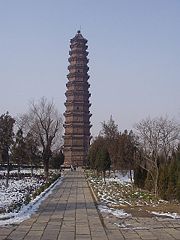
(99, 158)
(110, 134)
(103, 161)
(178, 188)
(6, 140)
(178, 173)
(32, 150)
(171, 190)
(18, 150)
(163, 181)
(140, 175)
(57, 160)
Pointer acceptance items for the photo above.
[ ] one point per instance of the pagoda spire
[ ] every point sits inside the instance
(77, 115)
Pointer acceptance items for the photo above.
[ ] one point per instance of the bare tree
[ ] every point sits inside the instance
(170, 134)
(45, 124)
(157, 136)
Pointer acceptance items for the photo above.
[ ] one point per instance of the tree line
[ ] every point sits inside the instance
(33, 138)
(151, 153)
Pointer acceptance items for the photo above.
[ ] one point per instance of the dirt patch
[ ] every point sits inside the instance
(146, 211)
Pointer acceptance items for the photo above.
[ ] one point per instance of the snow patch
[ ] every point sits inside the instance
(122, 177)
(168, 214)
(17, 190)
(27, 210)
(119, 213)
(128, 226)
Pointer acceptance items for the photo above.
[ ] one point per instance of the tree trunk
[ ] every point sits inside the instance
(46, 167)
(8, 169)
(19, 169)
(31, 170)
(109, 173)
(46, 157)
(156, 182)
(104, 176)
(31, 166)
(130, 171)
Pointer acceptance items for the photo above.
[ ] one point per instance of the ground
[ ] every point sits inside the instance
(119, 196)
(22, 195)
(69, 212)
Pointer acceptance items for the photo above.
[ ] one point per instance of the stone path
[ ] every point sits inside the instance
(142, 228)
(70, 214)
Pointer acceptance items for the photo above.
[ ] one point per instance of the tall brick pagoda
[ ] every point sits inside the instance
(77, 115)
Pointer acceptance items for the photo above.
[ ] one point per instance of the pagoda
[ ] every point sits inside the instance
(77, 115)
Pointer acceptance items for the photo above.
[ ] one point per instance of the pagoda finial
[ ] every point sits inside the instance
(78, 37)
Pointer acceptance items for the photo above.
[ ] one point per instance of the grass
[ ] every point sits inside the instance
(138, 202)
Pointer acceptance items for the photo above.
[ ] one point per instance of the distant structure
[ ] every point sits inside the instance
(77, 115)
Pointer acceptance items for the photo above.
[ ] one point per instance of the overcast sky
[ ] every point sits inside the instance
(134, 52)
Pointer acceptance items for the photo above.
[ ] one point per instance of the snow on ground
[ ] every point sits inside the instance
(122, 177)
(27, 210)
(39, 171)
(171, 215)
(14, 200)
(119, 213)
(109, 194)
(118, 192)
(17, 191)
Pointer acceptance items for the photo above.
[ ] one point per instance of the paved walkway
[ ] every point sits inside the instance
(70, 214)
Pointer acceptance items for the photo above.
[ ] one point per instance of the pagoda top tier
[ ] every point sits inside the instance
(78, 37)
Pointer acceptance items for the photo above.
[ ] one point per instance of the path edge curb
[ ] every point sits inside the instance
(96, 201)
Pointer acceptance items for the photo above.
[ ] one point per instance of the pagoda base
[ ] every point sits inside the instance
(75, 158)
